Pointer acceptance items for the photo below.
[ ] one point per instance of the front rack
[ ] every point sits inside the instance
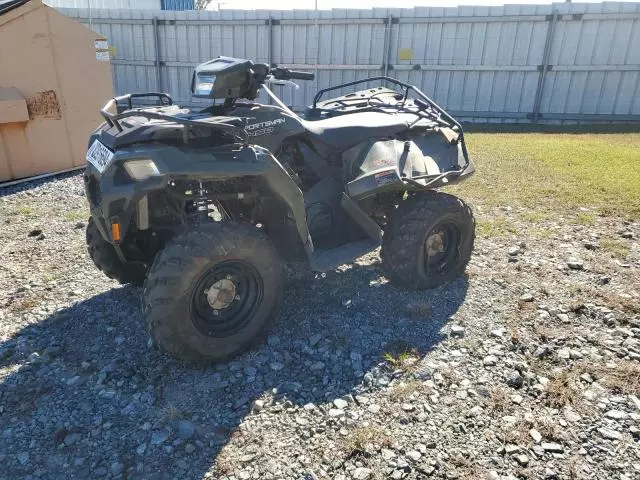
(423, 102)
(407, 88)
(113, 120)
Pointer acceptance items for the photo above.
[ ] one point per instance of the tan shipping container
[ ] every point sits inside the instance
(55, 75)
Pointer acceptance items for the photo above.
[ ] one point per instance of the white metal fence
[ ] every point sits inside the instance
(520, 63)
(111, 4)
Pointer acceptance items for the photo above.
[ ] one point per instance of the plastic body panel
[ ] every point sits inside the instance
(267, 125)
(117, 199)
(230, 77)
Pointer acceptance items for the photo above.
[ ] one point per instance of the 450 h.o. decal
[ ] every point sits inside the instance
(263, 128)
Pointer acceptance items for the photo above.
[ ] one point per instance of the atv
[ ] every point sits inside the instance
(203, 207)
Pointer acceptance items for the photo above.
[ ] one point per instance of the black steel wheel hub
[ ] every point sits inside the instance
(225, 298)
(441, 248)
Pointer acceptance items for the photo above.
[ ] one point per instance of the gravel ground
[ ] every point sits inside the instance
(526, 368)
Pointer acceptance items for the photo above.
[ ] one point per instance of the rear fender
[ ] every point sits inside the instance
(119, 201)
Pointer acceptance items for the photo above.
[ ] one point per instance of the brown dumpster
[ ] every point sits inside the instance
(54, 77)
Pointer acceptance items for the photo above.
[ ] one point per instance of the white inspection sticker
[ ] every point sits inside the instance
(99, 156)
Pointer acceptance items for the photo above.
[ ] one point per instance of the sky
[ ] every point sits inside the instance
(329, 4)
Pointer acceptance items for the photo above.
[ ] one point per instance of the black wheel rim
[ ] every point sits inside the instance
(225, 298)
(441, 248)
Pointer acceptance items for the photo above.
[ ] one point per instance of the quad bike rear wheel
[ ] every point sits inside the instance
(106, 259)
(428, 240)
(213, 292)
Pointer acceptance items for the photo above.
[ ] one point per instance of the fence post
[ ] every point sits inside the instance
(387, 44)
(156, 43)
(317, 72)
(270, 24)
(270, 40)
(545, 67)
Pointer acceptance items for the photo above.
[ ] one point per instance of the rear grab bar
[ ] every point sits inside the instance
(113, 120)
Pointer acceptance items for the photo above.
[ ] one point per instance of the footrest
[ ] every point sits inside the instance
(323, 260)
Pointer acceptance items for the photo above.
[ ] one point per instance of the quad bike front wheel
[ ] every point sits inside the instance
(213, 292)
(428, 240)
(106, 259)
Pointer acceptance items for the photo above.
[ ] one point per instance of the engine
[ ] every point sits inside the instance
(290, 156)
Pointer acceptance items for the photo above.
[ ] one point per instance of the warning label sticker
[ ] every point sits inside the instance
(102, 50)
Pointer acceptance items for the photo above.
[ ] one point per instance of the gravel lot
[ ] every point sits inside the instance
(527, 368)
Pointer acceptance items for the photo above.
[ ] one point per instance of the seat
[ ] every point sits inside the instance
(345, 131)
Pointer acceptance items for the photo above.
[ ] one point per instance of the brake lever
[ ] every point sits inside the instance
(282, 83)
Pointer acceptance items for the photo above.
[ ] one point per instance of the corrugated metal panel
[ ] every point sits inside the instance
(595, 63)
(483, 62)
(111, 4)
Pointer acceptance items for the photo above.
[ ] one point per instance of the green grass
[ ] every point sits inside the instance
(400, 354)
(618, 248)
(398, 361)
(586, 219)
(540, 232)
(357, 441)
(556, 172)
(535, 217)
(76, 215)
(495, 227)
(25, 211)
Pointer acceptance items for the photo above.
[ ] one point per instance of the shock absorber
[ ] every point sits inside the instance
(201, 203)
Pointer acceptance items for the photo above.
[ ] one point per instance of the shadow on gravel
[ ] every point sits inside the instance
(87, 397)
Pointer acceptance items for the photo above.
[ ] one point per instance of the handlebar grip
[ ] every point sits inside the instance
(296, 75)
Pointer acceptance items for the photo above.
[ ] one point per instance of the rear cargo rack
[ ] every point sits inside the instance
(113, 120)
(163, 98)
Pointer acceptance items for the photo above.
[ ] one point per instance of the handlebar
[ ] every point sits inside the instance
(280, 73)
(296, 75)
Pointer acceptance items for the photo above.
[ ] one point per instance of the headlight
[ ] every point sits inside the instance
(204, 85)
(141, 169)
